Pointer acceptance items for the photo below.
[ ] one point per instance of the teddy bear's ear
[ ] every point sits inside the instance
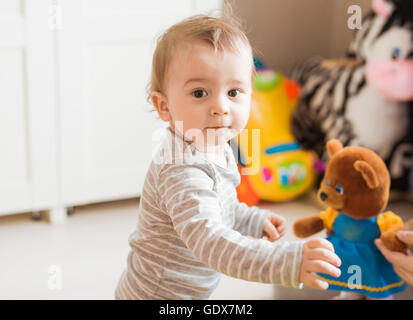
(368, 173)
(333, 146)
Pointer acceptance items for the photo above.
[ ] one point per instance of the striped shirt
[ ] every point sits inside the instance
(191, 228)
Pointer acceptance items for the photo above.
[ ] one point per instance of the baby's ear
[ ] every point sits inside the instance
(333, 146)
(368, 173)
(160, 102)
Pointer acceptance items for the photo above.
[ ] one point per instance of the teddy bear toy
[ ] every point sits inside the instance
(356, 189)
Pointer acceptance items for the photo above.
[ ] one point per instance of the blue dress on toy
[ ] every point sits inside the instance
(363, 267)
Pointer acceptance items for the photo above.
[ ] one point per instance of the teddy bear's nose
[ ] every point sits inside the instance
(323, 196)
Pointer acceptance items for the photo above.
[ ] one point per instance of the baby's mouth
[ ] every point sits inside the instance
(221, 130)
(217, 128)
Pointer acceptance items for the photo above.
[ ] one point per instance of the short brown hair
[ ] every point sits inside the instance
(222, 33)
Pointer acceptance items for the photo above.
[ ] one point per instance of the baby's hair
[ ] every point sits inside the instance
(223, 33)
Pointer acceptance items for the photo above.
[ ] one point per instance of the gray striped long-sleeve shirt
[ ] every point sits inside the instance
(191, 228)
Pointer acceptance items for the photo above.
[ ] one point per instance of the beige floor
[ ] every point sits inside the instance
(89, 253)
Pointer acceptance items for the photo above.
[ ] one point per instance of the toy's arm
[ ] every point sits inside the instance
(389, 224)
(308, 226)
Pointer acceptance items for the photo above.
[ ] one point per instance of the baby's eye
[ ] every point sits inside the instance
(339, 189)
(233, 93)
(199, 93)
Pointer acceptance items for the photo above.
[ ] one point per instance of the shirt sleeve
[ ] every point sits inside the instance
(188, 197)
(249, 221)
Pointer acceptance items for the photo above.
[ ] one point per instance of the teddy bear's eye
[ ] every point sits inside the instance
(396, 53)
(339, 189)
(327, 182)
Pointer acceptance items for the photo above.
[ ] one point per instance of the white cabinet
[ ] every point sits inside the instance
(75, 126)
(27, 110)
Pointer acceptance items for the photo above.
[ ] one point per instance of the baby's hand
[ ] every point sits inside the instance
(318, 256)
(274, 227)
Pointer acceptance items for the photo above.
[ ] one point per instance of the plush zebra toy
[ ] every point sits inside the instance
(365, 99)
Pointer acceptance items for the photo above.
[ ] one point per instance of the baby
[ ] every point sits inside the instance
(191, 225)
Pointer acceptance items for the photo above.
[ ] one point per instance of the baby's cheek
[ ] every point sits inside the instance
(241, 119)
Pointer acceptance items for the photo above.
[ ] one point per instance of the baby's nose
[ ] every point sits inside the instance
(219, 107)
(219, 112)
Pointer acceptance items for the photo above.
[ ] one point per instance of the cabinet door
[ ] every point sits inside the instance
(27, 139)
(104, 53)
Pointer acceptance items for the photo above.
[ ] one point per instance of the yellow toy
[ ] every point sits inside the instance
(285, 171)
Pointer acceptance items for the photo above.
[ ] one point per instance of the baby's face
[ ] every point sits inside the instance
(205, 91)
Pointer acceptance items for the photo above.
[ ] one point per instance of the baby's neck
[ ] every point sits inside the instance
(214, 153)
(220, 149)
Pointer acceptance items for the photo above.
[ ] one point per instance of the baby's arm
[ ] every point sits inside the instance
(249, 221)
(192, 204)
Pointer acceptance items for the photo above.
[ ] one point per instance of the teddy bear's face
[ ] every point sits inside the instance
(345, 188)
(331, 192)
